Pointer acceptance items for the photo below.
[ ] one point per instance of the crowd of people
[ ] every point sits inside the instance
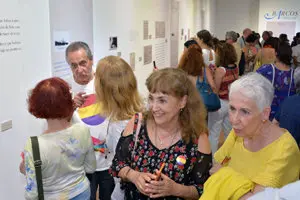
(101, 141)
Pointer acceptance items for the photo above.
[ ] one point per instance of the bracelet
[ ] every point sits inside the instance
(126, 173)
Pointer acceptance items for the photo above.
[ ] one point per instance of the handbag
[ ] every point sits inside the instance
(37, 165)
(242, 64)
(210, 99)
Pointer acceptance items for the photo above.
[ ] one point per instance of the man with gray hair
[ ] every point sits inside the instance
(231, 38)
(80, 59)
(242, 40)
(288, 115)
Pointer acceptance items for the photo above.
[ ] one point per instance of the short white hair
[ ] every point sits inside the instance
(255, 87)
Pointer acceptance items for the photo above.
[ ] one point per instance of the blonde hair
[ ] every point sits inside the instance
(175, 82)
(116, 88)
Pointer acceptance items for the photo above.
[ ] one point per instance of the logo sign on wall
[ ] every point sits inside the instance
(282, 15)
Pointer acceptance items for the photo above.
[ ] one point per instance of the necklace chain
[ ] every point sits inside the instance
(161, 141)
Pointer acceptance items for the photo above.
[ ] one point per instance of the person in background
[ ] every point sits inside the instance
(225, 74)
(288, 115)
(265, 36)
(296, 53)
(256, 151)
(217, 47)
(117, 94)
(271, 33)
(172, 137)
(66, 150)
(242, 40)
(283, 38)
(257, 41)
(188, 43)
(192, 63)
(80, 58)
(250, 52)
(267, 54)
(231, 38)
(295, 39)
(205, 41)
(281, 75)
(87, 111)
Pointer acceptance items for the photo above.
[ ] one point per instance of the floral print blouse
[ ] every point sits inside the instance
(283, 84)
(183, 162)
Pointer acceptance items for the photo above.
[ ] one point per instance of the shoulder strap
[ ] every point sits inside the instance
(273, 68)
(37, 166)
(135, 132)
(204, 75)
(198, 80)
(292, 72)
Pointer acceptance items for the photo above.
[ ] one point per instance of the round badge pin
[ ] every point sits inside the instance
(181, 160)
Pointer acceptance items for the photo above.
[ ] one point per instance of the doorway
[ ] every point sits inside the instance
(174, 31)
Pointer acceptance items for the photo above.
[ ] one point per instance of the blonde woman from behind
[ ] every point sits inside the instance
(117, 94)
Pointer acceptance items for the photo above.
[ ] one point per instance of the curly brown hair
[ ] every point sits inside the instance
(192, 61)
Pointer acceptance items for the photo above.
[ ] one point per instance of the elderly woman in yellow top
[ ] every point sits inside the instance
(257, 153)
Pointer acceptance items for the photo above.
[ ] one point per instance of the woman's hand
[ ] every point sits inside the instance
(140, 180)
(164, 187)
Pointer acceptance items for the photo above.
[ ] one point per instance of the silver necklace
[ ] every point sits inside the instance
(161, 141)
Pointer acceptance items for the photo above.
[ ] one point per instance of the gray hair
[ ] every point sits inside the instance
(231, 35)
(255, 87)
(75, 46)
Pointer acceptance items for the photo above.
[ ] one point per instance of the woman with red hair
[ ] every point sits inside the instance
(66, 150)
(192, 62)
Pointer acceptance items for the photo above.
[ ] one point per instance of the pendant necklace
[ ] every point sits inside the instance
(161, 141)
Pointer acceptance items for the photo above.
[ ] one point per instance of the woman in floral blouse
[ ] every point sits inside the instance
(171, 136)
(281, 76)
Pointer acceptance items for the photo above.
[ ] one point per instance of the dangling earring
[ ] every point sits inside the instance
(181, 109)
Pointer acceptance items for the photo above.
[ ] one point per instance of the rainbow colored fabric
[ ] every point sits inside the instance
(89, 111)
(89, 114)
(99, 145)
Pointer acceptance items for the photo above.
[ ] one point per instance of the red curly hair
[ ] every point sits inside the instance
(51, 99)
(192, 61)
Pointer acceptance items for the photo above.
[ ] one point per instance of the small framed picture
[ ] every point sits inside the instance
(113, 43)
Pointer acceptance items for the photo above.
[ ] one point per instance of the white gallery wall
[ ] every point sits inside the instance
(28, 62)
(69, 25)
(281, 16)
(235, 15)
(125, 19)
(187, 23)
